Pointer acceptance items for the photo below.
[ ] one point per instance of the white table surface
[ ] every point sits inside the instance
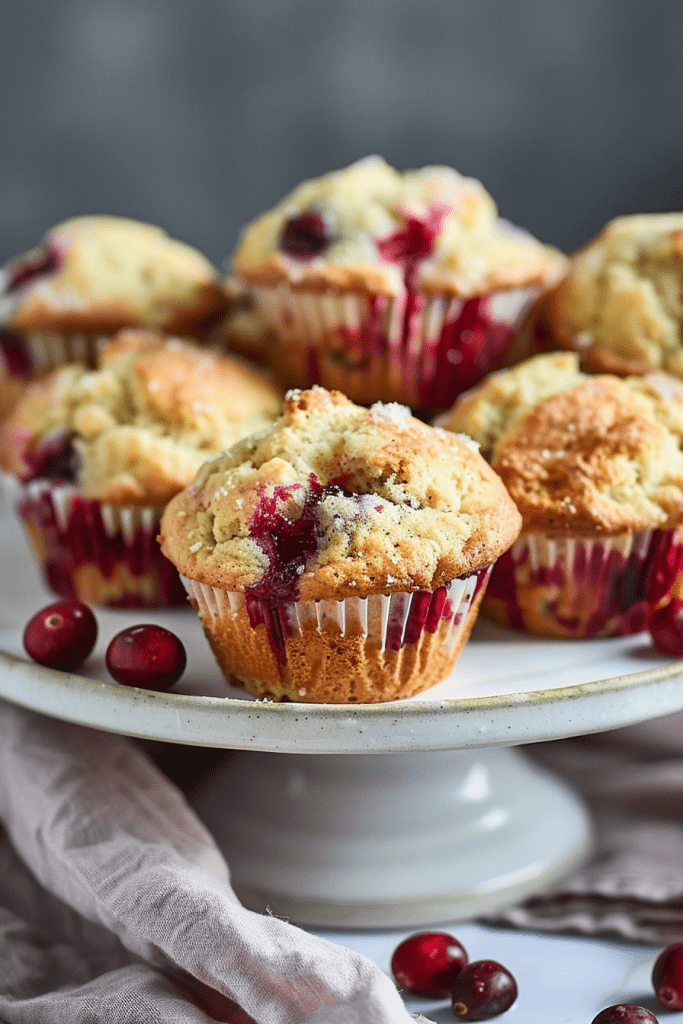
(562, 979)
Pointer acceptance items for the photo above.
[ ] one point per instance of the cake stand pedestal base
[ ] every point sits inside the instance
(390, 840)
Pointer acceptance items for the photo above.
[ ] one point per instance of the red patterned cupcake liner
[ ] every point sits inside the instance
(580, 586)
(92, 551)
(417, 349)
(380, 628)
(30, 355)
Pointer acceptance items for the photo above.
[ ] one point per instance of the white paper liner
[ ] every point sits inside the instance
(98, 552)
(329, 325)
(375, 617)
(543, 551)
(574, 585)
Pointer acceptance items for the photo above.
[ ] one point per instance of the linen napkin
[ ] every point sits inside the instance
(632, 886)
(116, 905)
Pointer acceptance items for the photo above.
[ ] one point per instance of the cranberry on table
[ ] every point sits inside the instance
(147, 656)
(427, 963)
(62, 635)
(667, 977)
(483, 989)
(624, 1013)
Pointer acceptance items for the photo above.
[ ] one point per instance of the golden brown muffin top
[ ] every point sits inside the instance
(581, 454)
(487, 411)
(100, 274)
(621, 303)
(367, 226)
(143, 422)
(346, 501)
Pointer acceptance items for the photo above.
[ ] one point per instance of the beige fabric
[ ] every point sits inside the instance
(116, 906)
(632, 886)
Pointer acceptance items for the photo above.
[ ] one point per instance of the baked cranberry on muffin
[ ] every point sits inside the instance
(96, 454)
(92, 276)
(341, 554)
(595, 466)
(620, 305)
(391, 286)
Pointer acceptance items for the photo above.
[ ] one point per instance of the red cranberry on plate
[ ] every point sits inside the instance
(427, 963)
(624, 1013)
(147, 656)
(667, 977)
(483, 989)
(62, 635)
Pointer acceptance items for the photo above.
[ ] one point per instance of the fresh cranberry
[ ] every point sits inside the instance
(667, 977)
(427, 963)
(305, 236)
(624, 1013)
(62, 635)
(666, 628)
(215, 1005)
(147, 656)
(483, 989)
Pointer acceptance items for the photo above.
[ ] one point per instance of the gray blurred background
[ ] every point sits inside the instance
(198, 114)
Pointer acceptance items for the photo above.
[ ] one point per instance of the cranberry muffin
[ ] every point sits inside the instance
(620, 305)
(94, 455)
(92, 276)
(391, 286)
(340, 555)
(595, 466)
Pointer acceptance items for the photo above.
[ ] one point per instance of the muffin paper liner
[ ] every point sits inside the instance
(29, 355)
(100, 553)
(577, 586)
(418, 349)
(379, 627)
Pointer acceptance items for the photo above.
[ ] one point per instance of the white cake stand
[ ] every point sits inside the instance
(397, 814)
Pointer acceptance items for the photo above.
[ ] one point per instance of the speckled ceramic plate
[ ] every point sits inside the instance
(506, 689)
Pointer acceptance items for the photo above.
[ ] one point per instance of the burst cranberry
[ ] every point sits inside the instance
(39, 263)
(147, 656)
(483, 989)
(666, 628)
(624, 1013)
(427, 963)
(667, 977)
(305, 236)
(415, 239)
(62, 635)
(54, 458)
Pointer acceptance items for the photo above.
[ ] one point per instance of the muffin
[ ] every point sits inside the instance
(340, 555)
(620, 305)
(243, 330)
(92, 457)
(92, 276)
(595, 466)
(391, 286)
